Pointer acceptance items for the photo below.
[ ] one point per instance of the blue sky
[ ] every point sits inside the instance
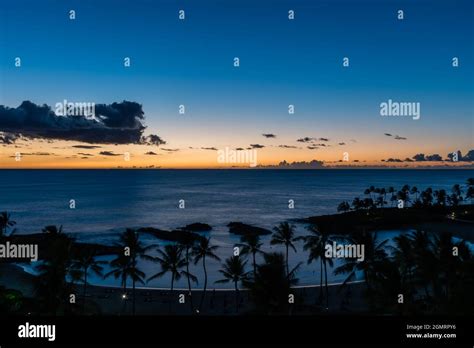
(282, 62)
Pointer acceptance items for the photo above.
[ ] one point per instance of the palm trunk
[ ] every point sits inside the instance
(326, 279)
(254, 266)
(205, 283)
(133, 294)
(236, 298)
(84, 291)
(171, 293)
(189, 281)
(321, 281)
(287, 267)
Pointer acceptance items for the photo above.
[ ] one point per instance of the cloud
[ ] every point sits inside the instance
(288, 146)
(170, 150)
(388, 134)
(312, 147)
(269, 135)
(256, 146)
(151, 153)
(116, 123)
(468, 158)
(305, 140)
(209, 148)
(342, 143)
(323, 139)
(86, 146)
(314, 164)
(420, 157)
(397, 137)
(239, 149)
(108, 153)
(8, 138)
(85, 154)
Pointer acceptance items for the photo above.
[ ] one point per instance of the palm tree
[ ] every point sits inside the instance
(316, 244)
(470, 193)
(200, 252)
(250, 244)
(53, 230)
(5, 223)
(270, 286)
(440, 197)
(86, 262)
(285, 235)
(133, 247)
(233, 270)
(171, 261)
(53, 285)
(343, 207)
(120, 268)
(187, 242)
(427, 197)
(357, 203)
(392, 191)
(414, 191)
(374, 256)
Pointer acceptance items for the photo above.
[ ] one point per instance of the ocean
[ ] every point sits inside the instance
(108, 201)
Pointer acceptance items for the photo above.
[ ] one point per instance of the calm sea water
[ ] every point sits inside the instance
(107, 201)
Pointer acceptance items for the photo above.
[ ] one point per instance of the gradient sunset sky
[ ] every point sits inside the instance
(282, 62)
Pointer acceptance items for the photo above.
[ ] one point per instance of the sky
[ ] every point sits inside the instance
(190, 62)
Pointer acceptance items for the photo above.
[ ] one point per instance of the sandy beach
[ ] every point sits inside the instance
(104, 300)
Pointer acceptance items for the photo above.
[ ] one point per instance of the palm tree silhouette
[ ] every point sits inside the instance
(5, 223)
(86, 262)
(187, 242)
(233, 270)
(200, 251)
(120, 268)
(316, 244)
(133, 247)
(52, 282)
(284, 235)
(375, 255)
(250, 244)
(171, 261)
(270, 286)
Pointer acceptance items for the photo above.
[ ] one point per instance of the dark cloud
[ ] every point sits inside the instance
(209, 148)
(85, 154)
(323, 139)
(468, 158)
(269, 135)
(388, 134)
(314, 164)
(108, 153)
(86, 147)
(305, 140)
(8, 138)
(393, 160)
(312, 147)
(239, 149)
(342, 143)
(151, 153)
(420, 157)
(288, 146)
(408, 160)
(256, 146)
(397, 137)
(116, 123)
(170, 150)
